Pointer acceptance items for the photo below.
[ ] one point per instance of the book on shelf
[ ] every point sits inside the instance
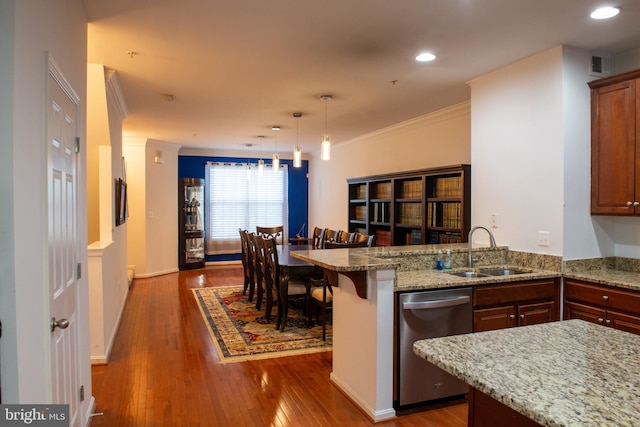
(450, 186)
(410, 214)
(383, 238)
(433, 237)
(381, 212)
(444, 214)
(382, 190)
(360, 192)
(450, 238)
(411, 189)
(360, 213)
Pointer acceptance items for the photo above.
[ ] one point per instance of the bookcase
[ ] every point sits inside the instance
(415, 207)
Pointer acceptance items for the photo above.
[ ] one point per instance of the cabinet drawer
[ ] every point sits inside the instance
(533, 314)
(587, 313)
(603, 296)
(624, 322)
(489, 319)
(512, 293)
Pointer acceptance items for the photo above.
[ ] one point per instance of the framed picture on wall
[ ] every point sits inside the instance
(121, 201)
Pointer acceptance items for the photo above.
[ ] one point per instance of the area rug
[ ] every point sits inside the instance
(240, 332)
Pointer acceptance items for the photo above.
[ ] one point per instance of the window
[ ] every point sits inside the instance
(236, 202)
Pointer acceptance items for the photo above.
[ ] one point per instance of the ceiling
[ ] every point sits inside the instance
(238, 67)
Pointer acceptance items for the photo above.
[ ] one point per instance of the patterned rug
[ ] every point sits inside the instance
(240, 332)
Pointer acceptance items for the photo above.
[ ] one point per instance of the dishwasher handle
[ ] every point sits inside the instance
(439, 303)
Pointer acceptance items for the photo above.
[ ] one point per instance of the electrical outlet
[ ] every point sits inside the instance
(494, 220)
(544, 238)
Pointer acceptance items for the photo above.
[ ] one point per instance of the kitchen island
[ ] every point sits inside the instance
(568, 373)
(366, 280)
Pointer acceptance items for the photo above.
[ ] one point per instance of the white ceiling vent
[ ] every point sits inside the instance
(600, 66)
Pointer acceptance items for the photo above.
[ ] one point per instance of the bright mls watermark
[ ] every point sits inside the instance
(34, 415)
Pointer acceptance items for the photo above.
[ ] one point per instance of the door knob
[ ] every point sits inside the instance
(62, 324)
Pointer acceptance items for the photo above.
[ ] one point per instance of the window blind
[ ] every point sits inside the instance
(236, 202)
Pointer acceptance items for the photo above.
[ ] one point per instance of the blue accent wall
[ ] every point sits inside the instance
(194, 167)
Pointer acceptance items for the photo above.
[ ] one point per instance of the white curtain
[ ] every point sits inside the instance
(236, 202)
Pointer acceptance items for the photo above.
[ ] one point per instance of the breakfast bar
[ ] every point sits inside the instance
(365, 281)
(568, 373)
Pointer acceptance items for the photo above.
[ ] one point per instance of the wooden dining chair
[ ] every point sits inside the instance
(248, 265)
(321, 293)
(272, 233)
(329, 236)
(296, 289)
(318, 235)
(258, 268)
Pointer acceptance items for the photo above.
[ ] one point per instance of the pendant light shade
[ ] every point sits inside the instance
(297, 157)
(275, 162)
(325, 145)
(297, 152)
(325, 148)
(261, 162)
(249, 162)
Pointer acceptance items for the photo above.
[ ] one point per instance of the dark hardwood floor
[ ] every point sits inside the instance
(163, 371)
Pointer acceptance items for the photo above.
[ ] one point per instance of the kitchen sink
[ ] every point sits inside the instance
(502, 271)
(469, 274)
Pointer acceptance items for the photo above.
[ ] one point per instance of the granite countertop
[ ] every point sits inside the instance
(433, 279)
(408, 261)
(608, 276)
(353, 259)
(568, 373)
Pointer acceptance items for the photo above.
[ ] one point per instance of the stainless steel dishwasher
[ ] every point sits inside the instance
(422, 315)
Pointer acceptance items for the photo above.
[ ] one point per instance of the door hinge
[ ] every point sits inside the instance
(81, 393)
(77, 144)
(79, 271)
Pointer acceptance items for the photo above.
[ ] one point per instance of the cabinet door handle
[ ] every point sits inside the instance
(522, 316)
(512, 316)
(629, 203)
(600, 320)
(636, 203)
(608, 321)
(605, 297)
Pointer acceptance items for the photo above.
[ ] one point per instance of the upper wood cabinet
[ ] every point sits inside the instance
(615, 145)
(415, 207)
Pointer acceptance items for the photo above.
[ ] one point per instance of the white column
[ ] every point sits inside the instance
(363, 343)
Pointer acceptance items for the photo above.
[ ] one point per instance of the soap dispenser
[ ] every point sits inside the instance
(447, 260)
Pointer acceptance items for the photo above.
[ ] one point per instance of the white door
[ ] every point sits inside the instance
(62, 224)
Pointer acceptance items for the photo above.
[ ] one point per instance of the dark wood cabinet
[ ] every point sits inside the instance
(415, 207)
(191, 223)
(604, 305)
(512, 304)
(615, 135)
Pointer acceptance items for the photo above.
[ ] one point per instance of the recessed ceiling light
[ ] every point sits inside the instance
(605, 12)
(425, 57)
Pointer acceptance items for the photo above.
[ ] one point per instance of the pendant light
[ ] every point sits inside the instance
(260, 162)
(248, 162)
(325, 145)
(297, 152)
(275, 164)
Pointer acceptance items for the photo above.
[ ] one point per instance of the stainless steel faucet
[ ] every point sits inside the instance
(491, 238)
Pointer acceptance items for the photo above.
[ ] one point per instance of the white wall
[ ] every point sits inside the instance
(134, 152)
(28, 30)
(585, 236)
(153, 219)
(517, 152)
(438, 139)
(162, 208)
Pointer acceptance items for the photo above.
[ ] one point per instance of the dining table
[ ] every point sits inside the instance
(291, 267)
